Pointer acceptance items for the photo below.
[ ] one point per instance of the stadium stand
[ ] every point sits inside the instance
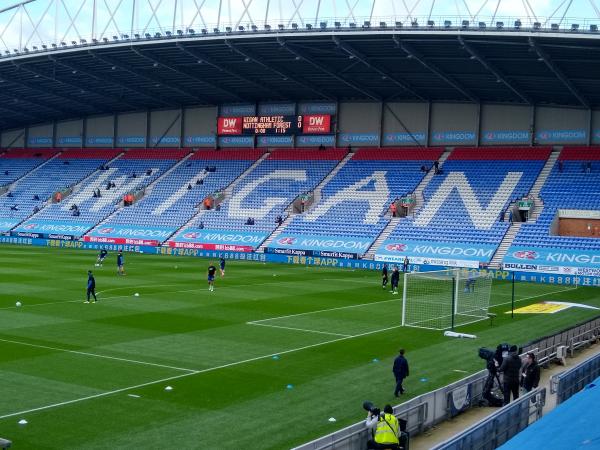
(465, 203)
(15, 163)
(381, 176)
(569, 186)
(134, 170)
(267, 191)
(37, 186)
(175, 198)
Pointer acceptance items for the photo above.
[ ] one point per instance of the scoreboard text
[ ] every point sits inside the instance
(273, 125)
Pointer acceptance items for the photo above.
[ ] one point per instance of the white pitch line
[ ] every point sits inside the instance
(210, 369)
(96, 355)
(325, 310)
(297, 329)
(533, 296)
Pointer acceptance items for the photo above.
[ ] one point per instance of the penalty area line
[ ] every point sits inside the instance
(197, 372)
(297, 329)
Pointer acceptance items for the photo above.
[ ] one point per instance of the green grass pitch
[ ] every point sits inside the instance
(93, 376)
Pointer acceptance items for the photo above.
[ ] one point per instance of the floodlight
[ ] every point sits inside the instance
(294, 26)
(398, 24)
(482, 25)
(323, 25)
(465, 24)
(537, 25)
(574, 27)
(352, 25)
(168, 33)
(281, 27)
(204, 31)
(179, 33)
(241, 28)
(309, 26)
(382, 25)
(148, 36)
(447, 24)
(554, 27)
(254, 28)
(500, 25)
(415, 23)
(518, 24)
(594, 28)
(267, 27)
(191, 31)
(228, 29)
(367, 24)
(430, 23)
(338, 25)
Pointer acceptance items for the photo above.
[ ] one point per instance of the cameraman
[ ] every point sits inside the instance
(511, 373)
(385, 428)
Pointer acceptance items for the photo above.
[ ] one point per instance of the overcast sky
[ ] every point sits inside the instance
(181, 14)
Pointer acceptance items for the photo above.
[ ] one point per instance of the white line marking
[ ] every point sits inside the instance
(96, 355)
(210, 369)
(459, 371)
(297, 329)
(534, 296)
(328, 309)
(133, 395)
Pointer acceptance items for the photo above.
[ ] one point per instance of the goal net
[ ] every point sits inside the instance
(445, 299)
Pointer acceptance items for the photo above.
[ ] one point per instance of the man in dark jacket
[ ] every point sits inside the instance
(511, 370)
(400, 372)
(530, 373)
(395, 280)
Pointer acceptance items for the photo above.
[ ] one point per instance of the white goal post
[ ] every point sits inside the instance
(445, 299)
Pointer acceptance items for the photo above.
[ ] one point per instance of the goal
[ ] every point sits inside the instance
(445, 299)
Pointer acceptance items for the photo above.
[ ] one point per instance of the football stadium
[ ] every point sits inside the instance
(253, 224)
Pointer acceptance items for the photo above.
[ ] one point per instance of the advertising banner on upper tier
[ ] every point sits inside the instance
(7, 224)
(345, 139)
(448, 254)
(553, 260)
(506, 136)
(237, 241)
(324, 244)
(559, 136)
(453, 137)
(52, 229)
(418, 137)
(129, 234)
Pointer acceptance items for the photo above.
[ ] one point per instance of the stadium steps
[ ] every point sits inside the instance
(227, 192)
(425, 181)
(317, 192)
(26, 175)
(391, 226)
(505, 244)
(539, 184)
(280, 229)
(229, 189)
(121, 205)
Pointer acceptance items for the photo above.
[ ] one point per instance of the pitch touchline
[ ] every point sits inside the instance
(325, 310)
(197, 372)
(533, 296)
(96, 355)
(297, 329)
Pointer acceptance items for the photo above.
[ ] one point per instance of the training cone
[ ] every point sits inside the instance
(22, 422)
(136, 295)
(332, 419)
(168, 388)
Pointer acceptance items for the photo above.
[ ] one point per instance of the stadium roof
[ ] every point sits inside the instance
(533, 63)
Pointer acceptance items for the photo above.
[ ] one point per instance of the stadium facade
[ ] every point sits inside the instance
(349, 109)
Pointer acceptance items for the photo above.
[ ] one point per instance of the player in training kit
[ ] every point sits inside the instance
(384, 276)
(101, 257)
(91, 287)
(211, 277)
(395, 280)
(120, 263)
(222, 266)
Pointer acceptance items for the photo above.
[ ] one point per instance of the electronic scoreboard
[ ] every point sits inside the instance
(274, 125)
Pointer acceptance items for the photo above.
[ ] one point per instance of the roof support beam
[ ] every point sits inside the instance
(19, 112)
(185, 72)
(37, 104)
(110, 80)
(294, 51)
(151, 78)
(558, 73)
(200, 57)
(386, 75)
(42, 74)
(413, 54)
(284, 75)
(490, 68)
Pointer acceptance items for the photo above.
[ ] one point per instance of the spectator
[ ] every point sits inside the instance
(6, 172)
(218, 207)
(561, 166)
(199, 181)
(9, 195)
(400, 370)
(206, 169)
(149, 172)
(189, 187)
(76, 213)
(583, 167)
(36, 210)
(502, 214)
(36, 197)
(112, 184)
(108, 186)
(393, 209)
(98, 193)
(405, 264)
(510, 369)
(94, 194)
(133, 175)
(385, 428)
(248, 221)
(589, 167)
(436, 167)
(201, 225)
(530, 373)
(510, 216)
(14, 208)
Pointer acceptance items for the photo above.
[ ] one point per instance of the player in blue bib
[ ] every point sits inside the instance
(211, 277)
(120, 263)
(222, 266)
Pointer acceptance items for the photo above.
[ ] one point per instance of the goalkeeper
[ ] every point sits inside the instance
(470, 283)
(395, 280)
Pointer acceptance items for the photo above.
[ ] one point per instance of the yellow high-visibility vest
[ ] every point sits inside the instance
(387, 432)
